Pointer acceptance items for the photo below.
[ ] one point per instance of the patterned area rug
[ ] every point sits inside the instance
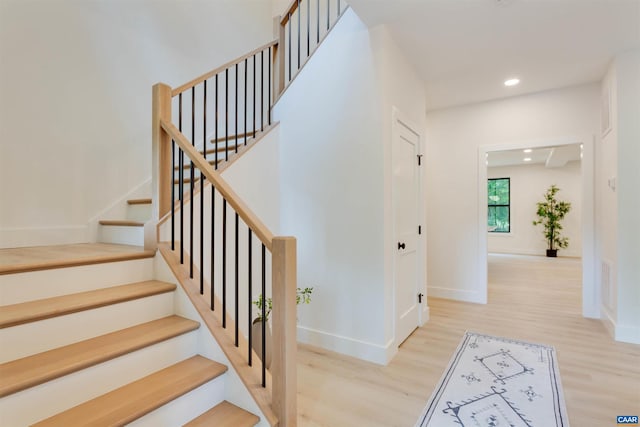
(496, 382)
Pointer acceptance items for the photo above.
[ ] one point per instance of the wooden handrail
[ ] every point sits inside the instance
(288, 11)
(232, 198)
(212, 73)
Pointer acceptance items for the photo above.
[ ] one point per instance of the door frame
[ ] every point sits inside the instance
(421, 250)
(590, 287)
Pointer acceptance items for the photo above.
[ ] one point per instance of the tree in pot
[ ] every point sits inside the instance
(550, 212)
(303, 296)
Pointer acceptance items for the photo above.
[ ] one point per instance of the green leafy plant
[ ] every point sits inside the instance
(550, 212)
(303, 296)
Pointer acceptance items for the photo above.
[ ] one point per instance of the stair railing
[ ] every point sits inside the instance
(240, 227)
(233, 103)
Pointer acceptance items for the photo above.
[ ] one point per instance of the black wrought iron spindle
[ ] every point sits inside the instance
(262, 90)
(269, 87)
(318, 23)
(249, 294)
(338, 8)
(289, 22)
(237, 282)
(181, 183)
(213, 246)
(264, 318)
(215, 137)
(254, 96)
(299, 35)
(192, 175)
(173, 195)
(224, 262)
(246, 71)
(308, 26)
(328, 13)
(236, 128)
(226, 114)
(204, 144)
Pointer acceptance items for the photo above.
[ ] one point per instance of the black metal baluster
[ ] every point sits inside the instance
(254, 96)
(181, 183)
(308, 26)
(250, 295)
(173, 195)
(318, 24)
(204, 144)
(338, 8)
(269, 86)
(192, 175)
(328, 13)
(213, 245)
(264, 319)
(246, 71)
(299, 36)
(224, 262)
(237, 283)
(289, 22)
(262, 90)
(215, 137)
(226, 114)
(237, 133)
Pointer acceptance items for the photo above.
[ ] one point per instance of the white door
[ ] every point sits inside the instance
(406, 146)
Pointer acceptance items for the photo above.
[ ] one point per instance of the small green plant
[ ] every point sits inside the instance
(303, 296)
(550, 212)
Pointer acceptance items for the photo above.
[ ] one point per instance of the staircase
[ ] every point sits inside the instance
(115, 340)
(112, 355)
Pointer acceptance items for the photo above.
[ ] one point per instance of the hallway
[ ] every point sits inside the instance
(530, 298)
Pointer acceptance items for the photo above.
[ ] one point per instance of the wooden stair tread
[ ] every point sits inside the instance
(186, 181)
(249, 134)
(134, 400)
(20, 260)
(139, 201)
(223, 148)
(121, 223)
(225, 414)
(31, 311)
(39, 368)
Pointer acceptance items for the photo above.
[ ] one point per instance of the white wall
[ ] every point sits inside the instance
(335, 135)
(455, 138)
(75, 98)
(528, 185)
(617, 181)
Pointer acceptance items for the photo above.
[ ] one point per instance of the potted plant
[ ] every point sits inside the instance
(303, 296)
(550, 212)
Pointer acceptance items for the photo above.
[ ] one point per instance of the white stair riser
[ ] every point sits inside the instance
(141, 213)
(121, 235)
(36, 337)
(36, 403)
(185, 408)
(30, 286)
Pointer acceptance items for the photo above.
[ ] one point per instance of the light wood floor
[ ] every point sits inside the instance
(530, 298)
(15, 260)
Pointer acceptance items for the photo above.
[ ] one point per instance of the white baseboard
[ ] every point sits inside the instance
(628, 333)
(43, 236)
(620, 332)
(458, 294)
(561, 252)
(376, 353)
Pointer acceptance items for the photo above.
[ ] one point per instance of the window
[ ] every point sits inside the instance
(499, 199)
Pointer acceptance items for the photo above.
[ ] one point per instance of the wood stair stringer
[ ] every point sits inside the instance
(249, 375)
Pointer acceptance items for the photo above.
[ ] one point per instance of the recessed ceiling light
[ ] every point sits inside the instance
(511, 82)
(528, 150)
(527, 159)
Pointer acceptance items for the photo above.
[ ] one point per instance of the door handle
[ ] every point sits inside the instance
(401, 245)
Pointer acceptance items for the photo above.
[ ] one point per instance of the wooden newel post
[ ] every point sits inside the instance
(162, 176)
(283, 366)
(281, 55)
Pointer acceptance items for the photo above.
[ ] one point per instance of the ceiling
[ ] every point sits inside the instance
(551, 157)
(465, 49)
